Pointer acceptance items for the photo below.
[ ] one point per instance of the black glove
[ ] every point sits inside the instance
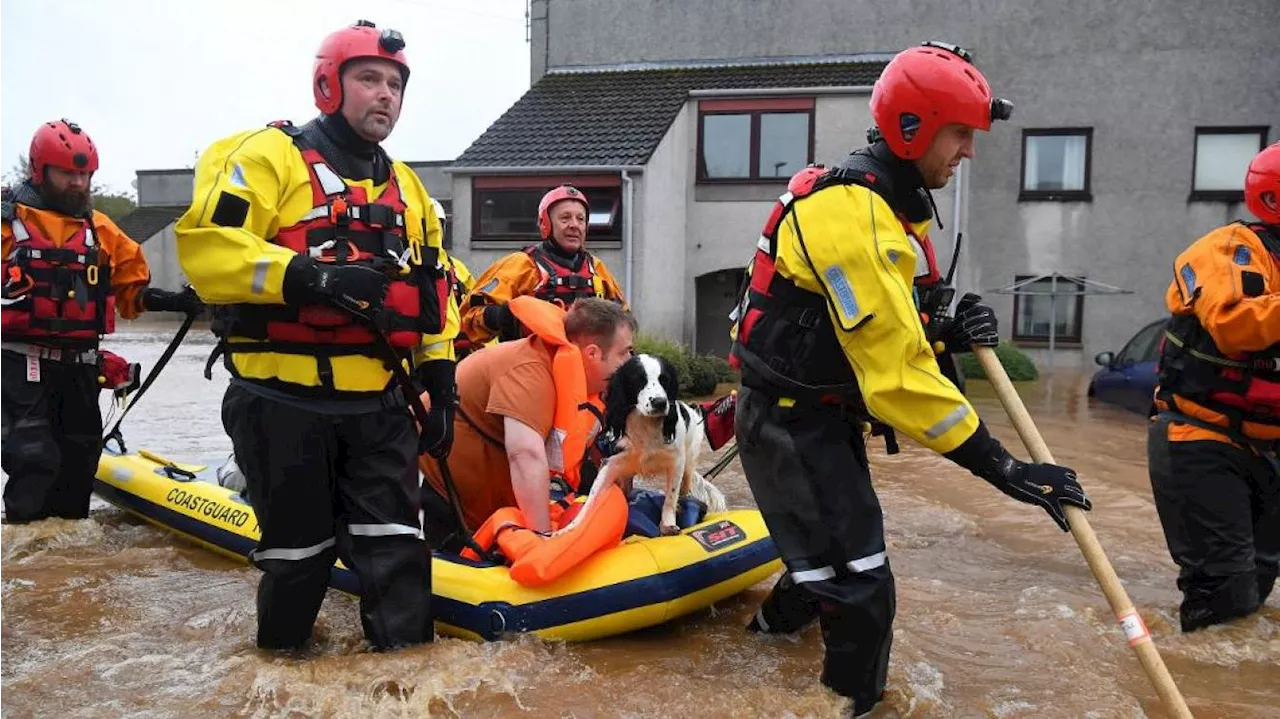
(438, 379)
(357, 289)
(974, 324)
(1046, 485)
(500, 319)
(187, 301)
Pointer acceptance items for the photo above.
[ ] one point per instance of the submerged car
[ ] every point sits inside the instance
(1128, 379)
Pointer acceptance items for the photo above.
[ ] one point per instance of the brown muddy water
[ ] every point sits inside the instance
(998, 615)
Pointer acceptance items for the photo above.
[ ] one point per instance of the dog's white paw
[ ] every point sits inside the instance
(669, 530)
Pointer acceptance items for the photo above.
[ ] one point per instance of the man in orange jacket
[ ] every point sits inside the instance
(1212, 445)
(514, 430)
(67, 270)
(559, 270)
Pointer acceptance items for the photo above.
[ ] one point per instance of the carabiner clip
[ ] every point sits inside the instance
(415, 251)
(92, 275)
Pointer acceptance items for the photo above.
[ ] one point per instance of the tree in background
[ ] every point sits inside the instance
(110, 202)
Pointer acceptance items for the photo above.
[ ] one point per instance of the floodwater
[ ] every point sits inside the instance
(998, 615)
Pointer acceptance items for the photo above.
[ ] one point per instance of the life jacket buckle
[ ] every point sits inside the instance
(339, 211)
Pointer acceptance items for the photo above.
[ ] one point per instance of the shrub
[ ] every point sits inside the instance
(699, 374)
(1016, 364)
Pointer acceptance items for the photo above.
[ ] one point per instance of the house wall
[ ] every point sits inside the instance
(1142, 75)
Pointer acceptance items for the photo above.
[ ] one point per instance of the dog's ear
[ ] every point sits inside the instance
(670, 380)
(619, 400)
(671, 420)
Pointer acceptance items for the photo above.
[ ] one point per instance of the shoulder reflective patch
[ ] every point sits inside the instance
(842, 290)
(1241, 256)
(1188, 278)
(329, 182)
(237, 176)
(490, 286)
(231, 211)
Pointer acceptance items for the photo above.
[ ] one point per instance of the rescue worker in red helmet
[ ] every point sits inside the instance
(1212, 445)
(558, 270)
(827, 338)
(67, 270)
(323, 256)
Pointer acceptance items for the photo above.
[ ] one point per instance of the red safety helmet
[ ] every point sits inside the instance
(360, 40)
(61, 144)
(563, 192)
(924, 88)
(1262, 185)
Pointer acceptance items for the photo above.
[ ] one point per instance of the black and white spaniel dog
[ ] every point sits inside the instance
(658, 437)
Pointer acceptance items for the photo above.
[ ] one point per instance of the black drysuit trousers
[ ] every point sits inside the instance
(325, 486)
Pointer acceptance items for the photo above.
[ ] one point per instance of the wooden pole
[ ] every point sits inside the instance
(1135, 629)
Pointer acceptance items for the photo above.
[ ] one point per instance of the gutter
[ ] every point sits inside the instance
(777, 91)
(628, 247)
(540, 169)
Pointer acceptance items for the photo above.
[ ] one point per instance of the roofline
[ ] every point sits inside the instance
(770, 91)
(186, 170)
(858, 58)
(539, 169)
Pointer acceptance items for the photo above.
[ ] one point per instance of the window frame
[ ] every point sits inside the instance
(1082, 195)
(1195, 195)
(753, 108)
(1043, 340)
(540, 185)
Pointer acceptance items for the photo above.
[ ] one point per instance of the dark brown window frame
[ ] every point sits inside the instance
(1084, 195)
(1221, 195)
(754, 108)
(541, 184)
(1043, 340)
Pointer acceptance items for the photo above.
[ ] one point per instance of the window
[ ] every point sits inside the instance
(754, 140)
(505, 209)
(1144, 347)
(1222, 156)
(1032, 312)
(1056, 164)
(447, 223)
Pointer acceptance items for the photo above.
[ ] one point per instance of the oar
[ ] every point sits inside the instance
(1134, 628)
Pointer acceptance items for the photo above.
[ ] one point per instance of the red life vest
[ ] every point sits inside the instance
(56, 293)
(560, 284)
(1243, 387)
(344, 226)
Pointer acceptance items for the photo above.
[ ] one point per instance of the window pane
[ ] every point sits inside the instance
(1141, 347)
(1055, 162)
(602, 202)
(447, 223)
(1034, 310)
(606, 207)
(726, 145)
(508, 212)
(1222, 160)
(784, 143)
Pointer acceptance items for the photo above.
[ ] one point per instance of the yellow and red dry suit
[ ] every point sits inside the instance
(264, 196)
(536, 558)
(790, 338)
(541, 271)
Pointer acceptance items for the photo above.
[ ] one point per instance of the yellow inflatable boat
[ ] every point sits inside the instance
(640, 583)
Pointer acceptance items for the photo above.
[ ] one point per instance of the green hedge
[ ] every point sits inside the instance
(699, 374)
(1016, 364)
